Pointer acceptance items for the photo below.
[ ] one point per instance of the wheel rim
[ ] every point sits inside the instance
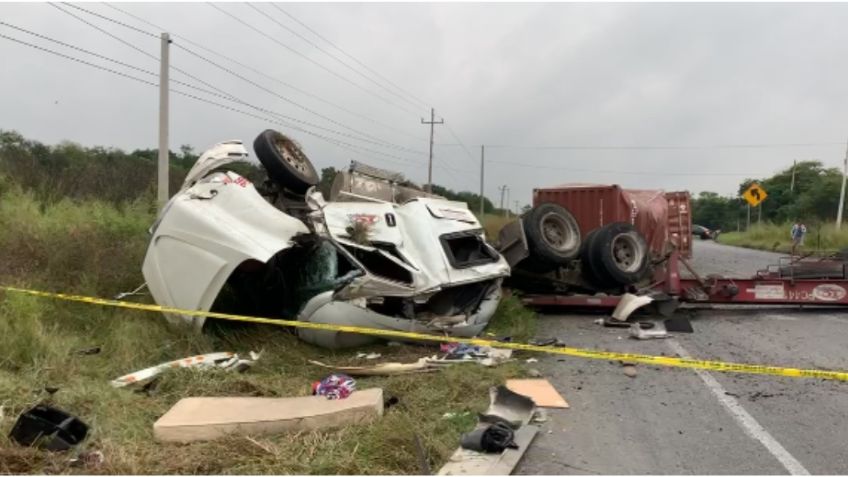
(557, 233)
(627, 252)
(296, 161)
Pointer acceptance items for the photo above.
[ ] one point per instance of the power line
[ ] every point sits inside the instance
(143, 52)
(334, 141)
(139, 30)
(347, 80)
(103, 57)
(614, 171)
(615, 148)
(319, 48)
(374, 139)
(230, 97)
(67, 45)
(263, 74)
(421, 103)
(470, 156)
(100, 67)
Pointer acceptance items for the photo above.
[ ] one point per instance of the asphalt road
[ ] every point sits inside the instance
(677, 421)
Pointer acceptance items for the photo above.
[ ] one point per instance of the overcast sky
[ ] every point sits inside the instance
(601, 76)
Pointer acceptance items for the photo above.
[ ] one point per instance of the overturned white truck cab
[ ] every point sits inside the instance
(280, 250)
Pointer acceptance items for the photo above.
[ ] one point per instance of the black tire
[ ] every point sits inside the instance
(589, 266)
(285, 162)
(619, 254)
(553, 237)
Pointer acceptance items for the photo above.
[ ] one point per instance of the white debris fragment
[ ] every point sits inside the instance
(226, 360)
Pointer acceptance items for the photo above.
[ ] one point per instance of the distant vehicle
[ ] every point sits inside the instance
(704, 233)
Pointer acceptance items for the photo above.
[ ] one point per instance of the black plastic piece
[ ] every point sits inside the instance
(48, 428)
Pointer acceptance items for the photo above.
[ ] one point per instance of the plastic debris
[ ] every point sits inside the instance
(334, 386)
(532, 360)
(225, 360)
(369, 355)
(638, 331)
(48, 428)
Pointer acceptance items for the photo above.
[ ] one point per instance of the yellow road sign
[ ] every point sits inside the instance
(755, 194)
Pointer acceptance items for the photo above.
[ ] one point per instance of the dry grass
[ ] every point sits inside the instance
(94, 248)
(493, 224)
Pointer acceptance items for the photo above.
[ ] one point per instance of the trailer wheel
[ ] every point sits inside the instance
(622, 253)
(588, 265)
(285, 162)
(553, 237)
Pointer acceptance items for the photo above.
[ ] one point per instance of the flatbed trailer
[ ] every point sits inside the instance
(822, 282)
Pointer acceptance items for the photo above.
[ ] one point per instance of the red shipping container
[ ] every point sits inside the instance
(663, 218)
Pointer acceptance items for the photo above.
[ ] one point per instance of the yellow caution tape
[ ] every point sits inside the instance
(560, 350)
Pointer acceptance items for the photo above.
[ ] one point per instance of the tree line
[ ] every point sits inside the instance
(805, 191)
(70, 170)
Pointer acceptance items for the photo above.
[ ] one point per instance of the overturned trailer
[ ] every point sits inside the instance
(589, 238)
(280, 250)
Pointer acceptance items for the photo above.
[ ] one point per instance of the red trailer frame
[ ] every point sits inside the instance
(767, 287)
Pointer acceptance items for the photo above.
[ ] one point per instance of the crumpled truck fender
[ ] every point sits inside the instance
(208, 230)
(323, 308)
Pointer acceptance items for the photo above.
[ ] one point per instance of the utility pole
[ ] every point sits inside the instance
(164, 66)
(842, 192)
(507, 202)
(503, 191)
(748, 222)
(482, 166)
(431, 122)
(517, 210)
(792, 184)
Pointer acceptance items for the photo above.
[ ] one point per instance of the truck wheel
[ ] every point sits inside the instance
(553, 236)
(589, 266)
(622, 253)
(286, 164)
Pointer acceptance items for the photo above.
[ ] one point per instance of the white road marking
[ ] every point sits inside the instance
(745, 420)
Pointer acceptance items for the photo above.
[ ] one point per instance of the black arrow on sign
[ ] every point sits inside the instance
(755, 193)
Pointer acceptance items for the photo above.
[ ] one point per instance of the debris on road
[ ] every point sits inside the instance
(540, 391)
(534, 373)
(369, 355)
(678, 324)
(334, 386)
(629, 370)
(640, 333)
(48, 428)
(226, 360)
(207, 418)
(628, 304)
(531, 360)
(490, 439)
(505, 425)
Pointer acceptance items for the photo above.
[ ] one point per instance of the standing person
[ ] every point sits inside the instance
(799, 230)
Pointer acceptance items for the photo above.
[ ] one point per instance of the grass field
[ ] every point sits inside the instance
(95, 248)
(775, 237)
